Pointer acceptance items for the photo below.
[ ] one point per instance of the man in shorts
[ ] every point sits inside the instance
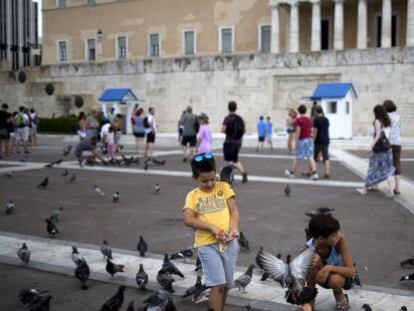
(150, 126)
(189, 138)
(234, 128)
(4, 133)
(22, 130)
(321, 139)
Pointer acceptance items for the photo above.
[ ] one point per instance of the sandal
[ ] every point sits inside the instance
(343, 305)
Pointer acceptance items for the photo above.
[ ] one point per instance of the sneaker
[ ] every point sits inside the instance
(289, 173)
(361, 191)
(326, 176)
(244, 178)
(314, 176)
(343, 305)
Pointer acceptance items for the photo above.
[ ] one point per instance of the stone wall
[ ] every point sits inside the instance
(261, 84)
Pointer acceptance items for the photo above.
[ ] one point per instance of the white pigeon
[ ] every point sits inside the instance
(115, 196)
(9, 207)
(157, 188)
(23, 253)
(98, 191)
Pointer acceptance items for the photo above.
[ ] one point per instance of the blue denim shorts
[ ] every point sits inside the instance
(218, 267)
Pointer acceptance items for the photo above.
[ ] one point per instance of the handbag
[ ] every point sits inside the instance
(382, 144)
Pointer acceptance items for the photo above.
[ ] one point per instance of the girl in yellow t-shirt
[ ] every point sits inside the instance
(211, 209)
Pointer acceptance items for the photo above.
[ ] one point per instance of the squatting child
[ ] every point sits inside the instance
(211, 209)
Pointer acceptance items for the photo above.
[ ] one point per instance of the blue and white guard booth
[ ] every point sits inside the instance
(337, 100)
(119, 100)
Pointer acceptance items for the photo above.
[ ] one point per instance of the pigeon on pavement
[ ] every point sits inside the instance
(65, 172)
(53, 163)
(113, 268)
(141, 277)
(82, 272)
(9, 174)
(245, 279)
(195, 290)
(115, 196)
(116, 301)
(42, 304)
(27, 296)
(185, 253)
(98, 191)
(243, 242)
(288, 190)
(170, 267)
(157, 300)
(142, 246)
(51, 227)
(72, 178)
(409, 277)
(165, 279)
(170, 305)
(66, 150)
(106, 250)
(23, 253)
(76, 257)
(199, 267)
(366, 307)
(10, 207)
(56, 214)
(43, 184)
(157, 188)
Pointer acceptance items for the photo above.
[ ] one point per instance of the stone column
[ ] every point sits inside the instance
(362, 25)
(339, 25)
(274, 40)
(410, 23)
(386, 24)
(316, 26)
(294, 27)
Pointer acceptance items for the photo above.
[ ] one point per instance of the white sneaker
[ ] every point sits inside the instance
(289, 174)
(361, 191)
(314, 176)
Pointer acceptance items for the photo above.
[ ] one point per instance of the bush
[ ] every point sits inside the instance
(60, 125)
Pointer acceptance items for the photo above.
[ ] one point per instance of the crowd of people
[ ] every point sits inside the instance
(18, 130)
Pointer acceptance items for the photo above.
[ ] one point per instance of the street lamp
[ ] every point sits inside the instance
(99, 34)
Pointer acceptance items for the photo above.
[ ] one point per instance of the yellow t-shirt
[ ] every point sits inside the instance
(210, 207)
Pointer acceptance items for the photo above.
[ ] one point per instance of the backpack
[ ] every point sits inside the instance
(146, 123)
(236, 128)
(19, 120)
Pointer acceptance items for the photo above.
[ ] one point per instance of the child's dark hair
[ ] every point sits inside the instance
(389, 105)
(323, 225)
(203, 166)
(302, 109)
(232, 106)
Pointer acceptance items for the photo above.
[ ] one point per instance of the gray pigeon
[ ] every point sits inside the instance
(141, 277)
(72, 178)
(170, 305)
(9, 174)
(9, 207)
(116, 301)
(27, 296)
(288, 191)
(113, 268)
(53, 163)
(115, 196)
(82, 272)
(170, 267)
(244, 280)
(51, 227)
(243, 242)
(193, 290)
(42, 304)
(106, 250)
(409, 277)
(56, 214)
(157, 188)
(23, 253)
(76, 257)
(66, 150)
(65, 172)
(366, 307)
(43, 184)
(156, 301)
(165, 279)
(142, 246)
(98, 191)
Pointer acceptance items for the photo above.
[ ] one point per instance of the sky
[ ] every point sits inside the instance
(40, 17)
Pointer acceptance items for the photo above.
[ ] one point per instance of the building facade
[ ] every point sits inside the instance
(18, 33)
(104, 30)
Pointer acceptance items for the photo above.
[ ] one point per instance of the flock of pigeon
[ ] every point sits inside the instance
(290, 274)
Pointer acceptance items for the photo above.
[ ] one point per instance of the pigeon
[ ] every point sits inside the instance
(142, 246)
(170, 267)
(186, 253)
(9, 174)
(76, 257)
(407, 277)
(127, 160)
(291, 274)
(227, 174)
(66, 150)
(265, 275)
(27, 296)
(170, 305)
(131, 306)
(325, 210)
(157, 300)
(9, 207)
(408, 262)
(194, 289)
(355, 280)
(82, 272)
(56, 214)
(288, 190)
(243, 242)
(157, 188)
(403, 308)
(158, 162)
(366, 307)
(116, 301)
(136, 161)
(113, 268)
(115, 196)
(98, 191)
(53, 163)
(141, 277)
(244, 280)
(51, 227)
(106, 250)
(23, 253)
(43, 184)
(199, 267)
(165, 279)
(72, 178)
(42, 304)
(65, 172)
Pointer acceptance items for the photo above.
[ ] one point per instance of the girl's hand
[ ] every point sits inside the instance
(234, 234)
(322, 275)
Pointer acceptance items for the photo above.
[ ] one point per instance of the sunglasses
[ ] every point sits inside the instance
(203, 156)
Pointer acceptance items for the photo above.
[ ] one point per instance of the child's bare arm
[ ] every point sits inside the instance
(234, 217)
(347, 270)
(192, 221)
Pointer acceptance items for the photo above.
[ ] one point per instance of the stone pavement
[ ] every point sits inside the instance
(54, 255)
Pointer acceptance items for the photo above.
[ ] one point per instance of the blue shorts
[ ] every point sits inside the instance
(304, 149)
(218, 267)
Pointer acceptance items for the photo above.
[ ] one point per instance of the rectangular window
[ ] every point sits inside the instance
(226, 40)
(154, 44)
(332, 107)
(62, 52)
(90, 49)
(265, 35)
(348, 107)
(122, 47)
(61, 3)
(91, 2)
(189, 42)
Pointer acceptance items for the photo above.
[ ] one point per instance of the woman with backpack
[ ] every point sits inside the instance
(139, 131)
(380, 167)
